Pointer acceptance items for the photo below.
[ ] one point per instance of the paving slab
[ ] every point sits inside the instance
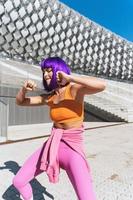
(109, 151)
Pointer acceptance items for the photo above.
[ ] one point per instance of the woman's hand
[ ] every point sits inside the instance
(62, 78)
(29, 85)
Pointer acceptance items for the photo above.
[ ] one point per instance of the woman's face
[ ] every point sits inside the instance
(47, 75)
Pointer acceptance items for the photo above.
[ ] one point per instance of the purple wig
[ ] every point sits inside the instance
(57, 64)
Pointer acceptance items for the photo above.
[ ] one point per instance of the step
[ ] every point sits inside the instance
(109, 106)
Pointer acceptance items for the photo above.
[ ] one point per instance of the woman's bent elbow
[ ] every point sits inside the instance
(18, 102)
(103, 86)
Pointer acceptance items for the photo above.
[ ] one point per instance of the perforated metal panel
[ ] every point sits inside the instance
(33, 29)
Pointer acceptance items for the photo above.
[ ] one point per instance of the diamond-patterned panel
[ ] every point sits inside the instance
(33, 29)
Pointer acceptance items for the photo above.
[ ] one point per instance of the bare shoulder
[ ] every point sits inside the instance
(76, 90)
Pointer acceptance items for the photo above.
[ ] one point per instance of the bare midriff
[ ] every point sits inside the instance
(68, 125)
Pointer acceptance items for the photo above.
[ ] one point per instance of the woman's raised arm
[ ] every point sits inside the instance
(22, 100)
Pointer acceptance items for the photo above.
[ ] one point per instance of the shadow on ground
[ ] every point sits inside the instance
(11, 193)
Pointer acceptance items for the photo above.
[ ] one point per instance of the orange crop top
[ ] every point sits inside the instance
(67, 110)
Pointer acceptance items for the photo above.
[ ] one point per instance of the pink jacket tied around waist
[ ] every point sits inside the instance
(49, 160)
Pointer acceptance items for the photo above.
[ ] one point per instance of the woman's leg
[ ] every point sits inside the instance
(27, 172)
(77, 171)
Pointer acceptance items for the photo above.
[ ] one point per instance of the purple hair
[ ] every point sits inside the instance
(57, 64)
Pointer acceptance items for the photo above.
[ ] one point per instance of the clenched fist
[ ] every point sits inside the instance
(29, 85)
(62, 78)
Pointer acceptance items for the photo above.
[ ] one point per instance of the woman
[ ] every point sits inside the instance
(64, 148)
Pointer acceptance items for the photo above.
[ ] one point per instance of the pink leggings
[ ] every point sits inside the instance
(69, 160)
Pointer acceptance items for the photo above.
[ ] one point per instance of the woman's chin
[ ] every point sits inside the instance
(48, 82)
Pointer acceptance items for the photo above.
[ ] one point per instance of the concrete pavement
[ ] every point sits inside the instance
(109, 150)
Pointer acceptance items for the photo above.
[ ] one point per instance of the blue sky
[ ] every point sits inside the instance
(115, 15)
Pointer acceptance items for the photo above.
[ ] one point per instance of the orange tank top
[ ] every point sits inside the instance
(67, 110)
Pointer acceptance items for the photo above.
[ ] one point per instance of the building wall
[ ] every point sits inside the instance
(31, 30)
